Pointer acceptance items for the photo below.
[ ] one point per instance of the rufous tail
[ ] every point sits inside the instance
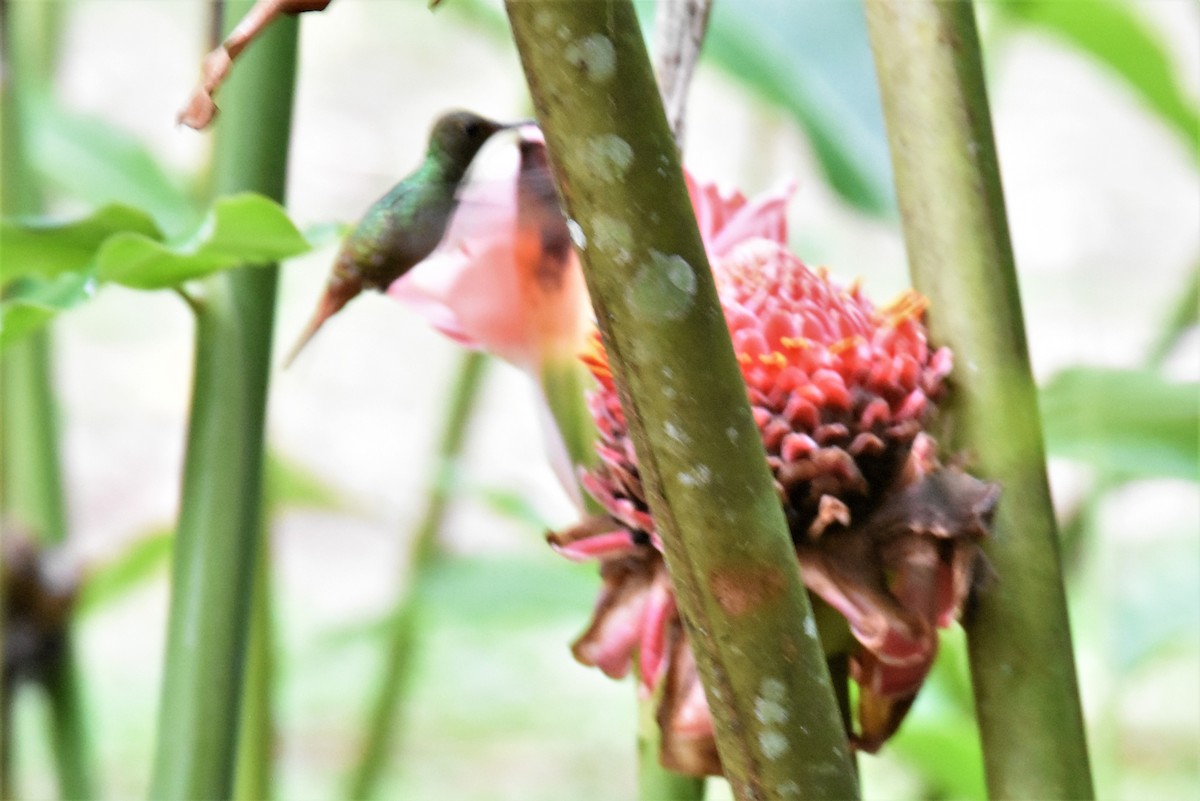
(340, 290)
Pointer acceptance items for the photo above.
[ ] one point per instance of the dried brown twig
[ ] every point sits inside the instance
(201, 108)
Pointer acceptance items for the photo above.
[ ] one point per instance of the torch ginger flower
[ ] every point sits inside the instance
(841, 392)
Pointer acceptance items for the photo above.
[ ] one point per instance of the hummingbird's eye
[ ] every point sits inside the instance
(472, 129)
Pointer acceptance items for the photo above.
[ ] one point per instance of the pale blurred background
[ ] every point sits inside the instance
(1104, 206)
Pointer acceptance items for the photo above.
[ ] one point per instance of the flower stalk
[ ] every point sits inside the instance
(220, 527)
(393, 682)
(704, 466)
(31, 482)
(952, 205)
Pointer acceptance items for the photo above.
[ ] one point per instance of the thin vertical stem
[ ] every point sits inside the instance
(31, 479)
(699, 451)
(948, 183)
(220, 527)
(256, 739)
(385, 706)
(32, 488)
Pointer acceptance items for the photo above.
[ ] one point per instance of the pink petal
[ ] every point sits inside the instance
(652, 653)
(599, 546)
(486, 284)
(727, 218)
(615, 631)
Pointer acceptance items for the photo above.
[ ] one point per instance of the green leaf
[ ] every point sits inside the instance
(93, 160)
(28, 303)
(1129, 423)
(1115, 34)
(244, 229)
(142, 560)
(41, 247)
(812, 58)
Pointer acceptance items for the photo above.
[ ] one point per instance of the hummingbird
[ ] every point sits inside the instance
(404, 226)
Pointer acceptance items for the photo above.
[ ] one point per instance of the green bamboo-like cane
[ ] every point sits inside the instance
(948, 185)
(31, 483)
(220, 527)
(256, 738)
(386, 704)
(700, 454)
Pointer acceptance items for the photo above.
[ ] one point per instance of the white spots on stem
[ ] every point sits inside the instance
(613, 237)
(773, 743)
(770, 711)
(577, 234)
(675, 434)
(810, 626)
(664, 287)
(768, 706)
(594, 56)
(698, 476)
(607, 157)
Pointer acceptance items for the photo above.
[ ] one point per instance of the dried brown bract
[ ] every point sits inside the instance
(201, 108)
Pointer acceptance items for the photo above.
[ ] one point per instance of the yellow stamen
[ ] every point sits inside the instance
(910, 305)
(773, 359)
(848, 343)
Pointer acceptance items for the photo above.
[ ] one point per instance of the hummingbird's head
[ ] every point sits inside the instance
(458, 135)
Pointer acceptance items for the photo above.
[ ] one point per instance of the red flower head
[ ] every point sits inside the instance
(841, 392)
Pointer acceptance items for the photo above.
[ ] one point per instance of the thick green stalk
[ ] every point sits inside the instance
(385, 708)
(31, 484)
(948, 184)
(220, 526)
(256, 739)
(700, 454)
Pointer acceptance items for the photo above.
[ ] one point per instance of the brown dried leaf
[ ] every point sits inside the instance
(688, 744)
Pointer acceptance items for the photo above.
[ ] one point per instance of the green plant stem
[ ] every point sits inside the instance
(700, 455)
(256, 738)
(32, 487)
(656, 783)
(220, 527)
(948, 184)
(386, 705)
(31, 483)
